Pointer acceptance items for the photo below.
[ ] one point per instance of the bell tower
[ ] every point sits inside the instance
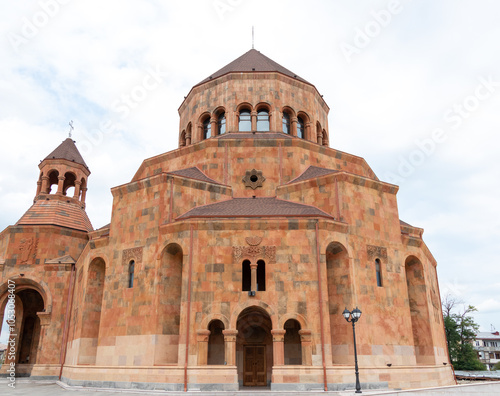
(63, 173)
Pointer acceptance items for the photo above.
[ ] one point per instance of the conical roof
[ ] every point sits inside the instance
(67, 150)
(253, 61)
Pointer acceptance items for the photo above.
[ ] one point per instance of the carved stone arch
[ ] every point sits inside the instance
(289, 110)
(326, 140)
(53, 176)
(257, 304)
(298, 317)
(324, 246)
(216, 316)
(244, 106)
(31, 282)
(182, 139)
(164, 245)
(218, 110)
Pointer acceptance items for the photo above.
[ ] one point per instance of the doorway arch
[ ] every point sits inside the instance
(254, 347)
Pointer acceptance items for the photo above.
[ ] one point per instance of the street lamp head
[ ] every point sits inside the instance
(356, 313)
(346, 314)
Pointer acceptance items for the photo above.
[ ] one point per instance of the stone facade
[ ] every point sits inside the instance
(228, 262)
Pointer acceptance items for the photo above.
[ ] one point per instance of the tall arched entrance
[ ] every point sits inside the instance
(254, 347)
(22, 314)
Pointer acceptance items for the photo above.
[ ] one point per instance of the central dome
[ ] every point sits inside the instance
(253, 94)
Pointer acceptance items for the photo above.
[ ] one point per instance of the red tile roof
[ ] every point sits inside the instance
(251, 61)
(57, 212)
(194, 173)
(254, 207)
(67, 150)
(311, 173)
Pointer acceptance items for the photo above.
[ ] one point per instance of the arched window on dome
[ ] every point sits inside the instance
(301, 128)
(131, 268)
(221, 123)
(263, 121)
(245, 123)
(287, 127)
(207, 128)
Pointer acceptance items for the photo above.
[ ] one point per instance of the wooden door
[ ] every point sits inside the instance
(254, 365)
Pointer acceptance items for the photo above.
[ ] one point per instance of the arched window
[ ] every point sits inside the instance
(246, 276)
(216, 343)
(261, 275)
(207, 128)
(378, 272)
(245, 124)
(293, 347)
(263, 121)
(131, 274)
(301, 128)
(286, 123)
(221, 122)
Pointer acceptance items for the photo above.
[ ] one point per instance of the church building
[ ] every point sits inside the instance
(228, 262)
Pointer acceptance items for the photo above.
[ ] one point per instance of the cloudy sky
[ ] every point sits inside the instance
(413, 87)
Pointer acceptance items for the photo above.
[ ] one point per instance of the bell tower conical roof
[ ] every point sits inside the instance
(67, 150)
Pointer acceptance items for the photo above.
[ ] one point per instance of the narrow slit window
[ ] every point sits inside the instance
(378, 272)
(246, 275)
(131, 274)
(261, 275)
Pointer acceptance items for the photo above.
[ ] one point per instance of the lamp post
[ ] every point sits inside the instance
(353, 318)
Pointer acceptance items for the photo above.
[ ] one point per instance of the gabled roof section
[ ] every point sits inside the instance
(61, 260)
(254, 207)
(57, 212)
(311, 173)
(253, 61)
(67, 150)
(193, 173)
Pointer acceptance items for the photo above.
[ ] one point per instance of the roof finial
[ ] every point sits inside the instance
(252, 39)
(71, 128)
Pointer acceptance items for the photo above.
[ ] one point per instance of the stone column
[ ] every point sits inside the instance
(319, 136)
(45, 184)
(253, 115)
(253, 272)
(230, 346)
(214, 126)
(278, 347)
(202, 337)
(305, 343)
(60, 185)
(38, 187)
(45, 318)
(307, 132)
(188, 138)
(78, 185)
(294, 126)
(84, 194)
(199, 134)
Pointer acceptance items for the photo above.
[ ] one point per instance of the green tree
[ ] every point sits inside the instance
(461, 331)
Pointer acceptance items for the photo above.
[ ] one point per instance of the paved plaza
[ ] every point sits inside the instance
(26, 387)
